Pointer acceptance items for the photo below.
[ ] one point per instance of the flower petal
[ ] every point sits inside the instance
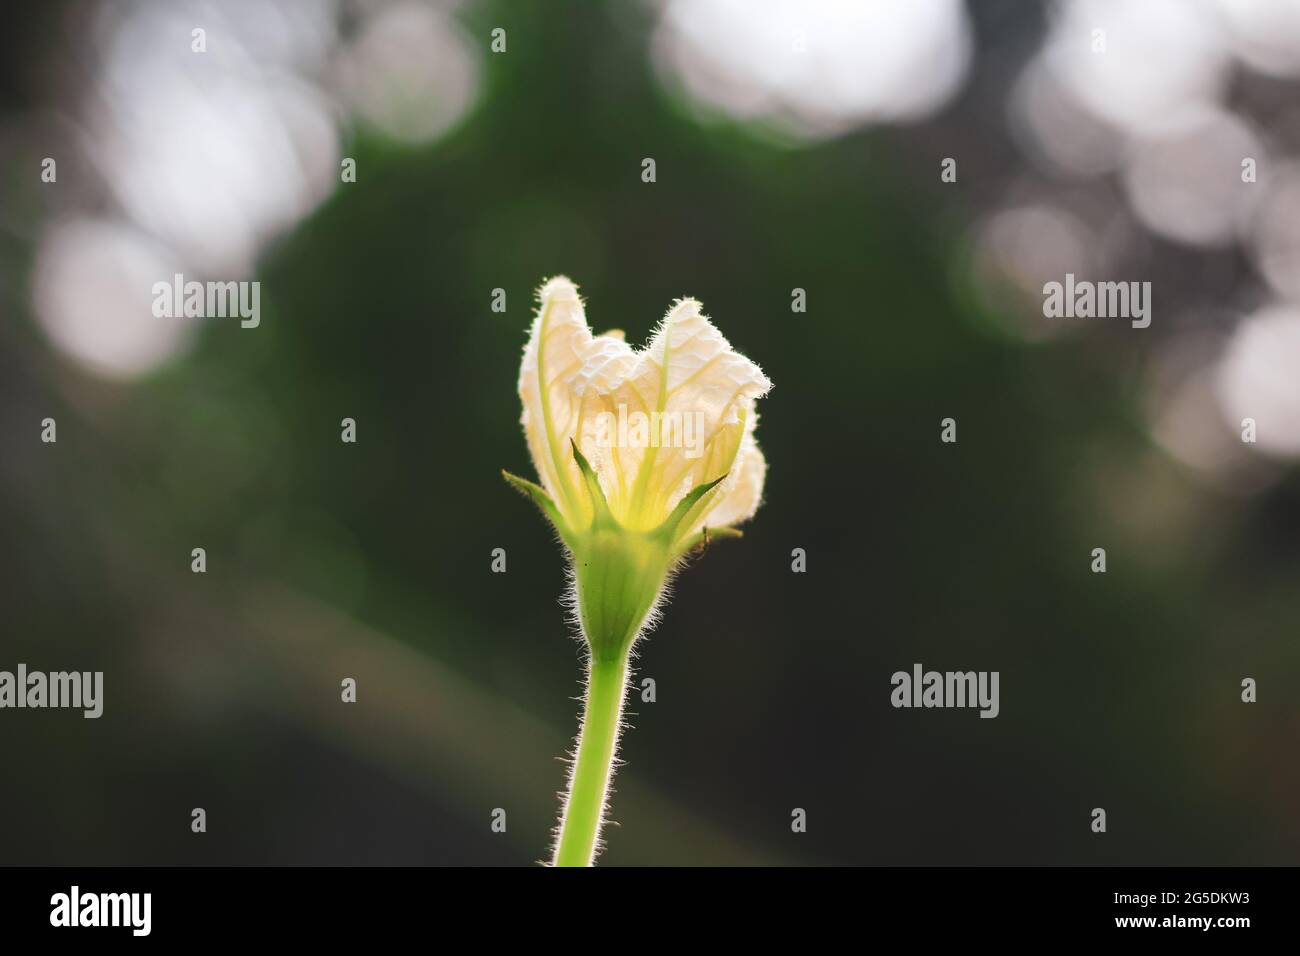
(700, 387)
(560, 347)
(742, 492)
(653, 423)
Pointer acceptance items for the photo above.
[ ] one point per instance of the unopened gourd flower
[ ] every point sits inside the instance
(643, 456)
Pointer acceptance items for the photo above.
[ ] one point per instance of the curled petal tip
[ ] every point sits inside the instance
(558, 287)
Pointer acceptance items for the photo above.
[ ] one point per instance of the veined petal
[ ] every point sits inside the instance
(653, 424)
(742, 492)
(695, 389)
(560, 351)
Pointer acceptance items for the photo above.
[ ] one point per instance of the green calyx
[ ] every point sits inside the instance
(618, 577)
(620, 572)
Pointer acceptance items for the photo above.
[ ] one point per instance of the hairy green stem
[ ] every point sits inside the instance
(584, 809)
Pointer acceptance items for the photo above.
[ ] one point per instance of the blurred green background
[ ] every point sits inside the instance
(372, 560)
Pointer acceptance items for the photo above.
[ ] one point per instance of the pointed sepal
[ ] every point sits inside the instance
(668, 530)
(538, 496)
(600, 507)
(703, 538)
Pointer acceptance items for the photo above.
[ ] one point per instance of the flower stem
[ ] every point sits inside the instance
(584, 810)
